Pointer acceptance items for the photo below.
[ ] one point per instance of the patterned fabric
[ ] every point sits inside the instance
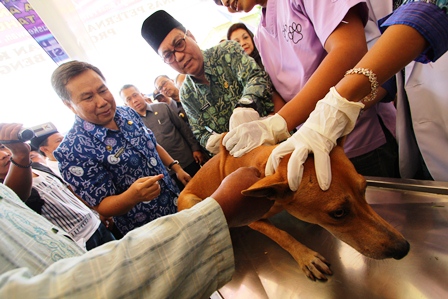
(98, 162)
(65, 210)
(429, 18)
(28, 239)
(185, 255)
(232, 75)
(442, 4)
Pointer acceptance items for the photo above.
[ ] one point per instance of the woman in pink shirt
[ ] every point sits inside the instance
(306, 47)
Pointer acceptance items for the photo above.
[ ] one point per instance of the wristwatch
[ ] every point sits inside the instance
(246, 103)
(172, 164)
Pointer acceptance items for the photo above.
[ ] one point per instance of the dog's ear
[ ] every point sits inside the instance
(268, 187)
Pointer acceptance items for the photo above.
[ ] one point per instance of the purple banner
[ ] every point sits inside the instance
(30, 20)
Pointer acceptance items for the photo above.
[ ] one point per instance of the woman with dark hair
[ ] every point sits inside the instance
(241, 34)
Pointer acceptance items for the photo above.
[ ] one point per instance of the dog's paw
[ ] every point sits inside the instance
(315, 266)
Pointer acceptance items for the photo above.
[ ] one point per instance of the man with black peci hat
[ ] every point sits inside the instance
(217, 80)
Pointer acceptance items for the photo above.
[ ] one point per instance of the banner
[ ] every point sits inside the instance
(32, 23)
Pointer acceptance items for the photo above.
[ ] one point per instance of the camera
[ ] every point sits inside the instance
(37, 132)
(25, 134)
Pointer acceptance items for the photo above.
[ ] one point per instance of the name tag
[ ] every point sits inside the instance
(205, 107)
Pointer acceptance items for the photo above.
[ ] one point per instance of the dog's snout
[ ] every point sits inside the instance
(401, 251)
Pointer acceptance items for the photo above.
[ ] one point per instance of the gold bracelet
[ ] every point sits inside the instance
(372, 79)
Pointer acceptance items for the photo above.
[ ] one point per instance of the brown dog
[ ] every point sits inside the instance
(342, 209)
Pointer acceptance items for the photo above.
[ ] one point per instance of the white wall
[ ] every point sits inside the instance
(105, 33)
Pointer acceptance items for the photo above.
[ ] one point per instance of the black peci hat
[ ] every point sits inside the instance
(157, 26)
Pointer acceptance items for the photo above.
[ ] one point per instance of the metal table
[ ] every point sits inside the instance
(418, 209)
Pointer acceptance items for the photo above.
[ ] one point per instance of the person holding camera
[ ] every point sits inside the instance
(51, 198)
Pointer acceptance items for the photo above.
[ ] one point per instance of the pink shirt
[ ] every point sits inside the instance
(291, 37)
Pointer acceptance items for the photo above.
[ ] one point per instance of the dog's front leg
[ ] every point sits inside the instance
(312, 263)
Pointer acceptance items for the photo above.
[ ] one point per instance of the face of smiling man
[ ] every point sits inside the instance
(91, 100)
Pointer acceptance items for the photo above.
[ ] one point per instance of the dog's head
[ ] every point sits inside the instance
(342, 209)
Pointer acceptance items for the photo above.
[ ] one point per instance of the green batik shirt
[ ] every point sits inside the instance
(232, 75)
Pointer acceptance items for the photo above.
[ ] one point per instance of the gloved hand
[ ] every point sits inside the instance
(333, 117)
(242, 115)
(213, 143)
(248, 136)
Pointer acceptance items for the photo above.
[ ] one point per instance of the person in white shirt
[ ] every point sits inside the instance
(184, 255)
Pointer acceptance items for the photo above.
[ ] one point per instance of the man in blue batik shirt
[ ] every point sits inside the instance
(109, 157)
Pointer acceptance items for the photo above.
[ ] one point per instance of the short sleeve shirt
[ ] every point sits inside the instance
(98, 162)
(298, 29)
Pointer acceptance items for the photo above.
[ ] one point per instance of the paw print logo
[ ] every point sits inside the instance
(295, 33)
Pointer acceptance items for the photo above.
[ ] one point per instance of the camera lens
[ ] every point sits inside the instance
(25, 135)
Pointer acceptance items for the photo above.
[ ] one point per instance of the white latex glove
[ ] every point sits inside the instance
(248, 136)
(213, 143)
(242, 115)
(333, 117)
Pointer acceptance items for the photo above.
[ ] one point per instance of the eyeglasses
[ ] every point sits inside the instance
(164, 82)
(179, 46)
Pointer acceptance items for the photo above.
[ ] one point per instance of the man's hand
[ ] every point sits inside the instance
(333, 117)
(200, 157)
(19, 178)
(181, 175)
(248, 136)
(241, 210)
(146, 188)
(20, 150)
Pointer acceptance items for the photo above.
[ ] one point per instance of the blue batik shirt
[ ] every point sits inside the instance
(99, 162)
(429, 18)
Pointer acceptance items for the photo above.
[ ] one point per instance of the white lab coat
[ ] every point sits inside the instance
(426, 112)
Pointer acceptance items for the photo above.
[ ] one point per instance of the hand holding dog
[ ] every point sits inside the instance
(241, 210)
(248, 136)
(333, 117)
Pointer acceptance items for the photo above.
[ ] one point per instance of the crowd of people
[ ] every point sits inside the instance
(105, 193)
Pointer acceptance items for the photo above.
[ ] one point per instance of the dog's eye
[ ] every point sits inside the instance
(338, 214)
